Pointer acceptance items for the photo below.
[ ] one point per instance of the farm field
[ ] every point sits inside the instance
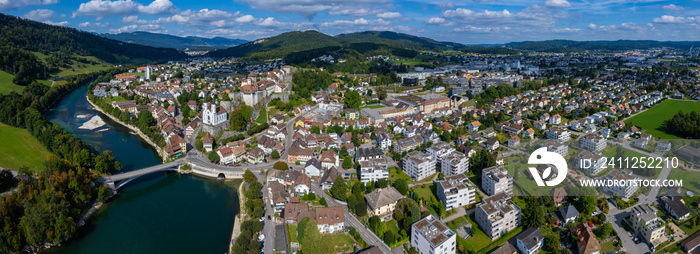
(653, 121)
(20, 149)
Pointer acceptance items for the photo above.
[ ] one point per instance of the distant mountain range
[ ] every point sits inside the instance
(308, 44)
(24, 34)
(563, 46)
(176, 42)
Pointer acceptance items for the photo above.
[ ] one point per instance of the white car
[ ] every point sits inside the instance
(261, 238)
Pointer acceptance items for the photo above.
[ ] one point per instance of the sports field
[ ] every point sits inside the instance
(653, 121)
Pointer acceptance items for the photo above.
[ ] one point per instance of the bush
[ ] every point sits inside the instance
(213, 157)
(280, 166)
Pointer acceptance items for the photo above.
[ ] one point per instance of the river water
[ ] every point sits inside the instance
(157, 213)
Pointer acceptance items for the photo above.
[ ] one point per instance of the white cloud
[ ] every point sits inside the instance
(40, 14)
(389, 15)
(566, 30)
(473, 29)
(62, 23)
(92, 25)
(102, 8)
(668, 19)
(533, 16)
(446, 6)
(622, 27)
(158, 7)
(557, 3)
(309, 8)
(673, 7)
(14, 4)
(245, 19)
(356, 22)
(131, 28)
(438, 21)
(458, 13)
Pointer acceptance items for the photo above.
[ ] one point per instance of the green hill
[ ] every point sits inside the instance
(176, 42)
(35, 36)
(309, 44)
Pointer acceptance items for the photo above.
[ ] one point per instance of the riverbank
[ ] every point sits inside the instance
(239, 218)
(134, 130)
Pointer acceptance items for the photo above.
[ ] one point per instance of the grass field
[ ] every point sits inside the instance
(19, 148)
(691, 179)
(6, 85)
(262, 118)
(395, 175)
(117, 99)
(373, 106)
(81, 68)
(607, 247)
(292, 232)
(653, 121)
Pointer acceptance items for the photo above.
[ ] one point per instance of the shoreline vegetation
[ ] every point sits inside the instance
(134, 130)
(239, 217)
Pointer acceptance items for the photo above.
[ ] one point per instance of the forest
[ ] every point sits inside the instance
(48, 203)
(685, 125)
(39, 37)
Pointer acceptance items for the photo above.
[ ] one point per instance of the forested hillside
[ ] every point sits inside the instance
(171, 41)
(303, 46)
(39, 37)
(561, 46)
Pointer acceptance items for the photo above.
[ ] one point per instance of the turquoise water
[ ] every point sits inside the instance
(157, 213)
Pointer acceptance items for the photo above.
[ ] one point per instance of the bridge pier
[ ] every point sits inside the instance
(111, 187)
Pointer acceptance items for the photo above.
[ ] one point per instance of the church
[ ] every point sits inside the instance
(214, 115)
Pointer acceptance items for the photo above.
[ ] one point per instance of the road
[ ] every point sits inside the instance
(269, 227)
(350, 220)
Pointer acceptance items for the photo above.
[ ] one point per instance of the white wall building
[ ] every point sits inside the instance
(456, 191)
(419, 165)
(430, 236)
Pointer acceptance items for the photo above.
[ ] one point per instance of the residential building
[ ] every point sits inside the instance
(558, 195)
(297, 153)
(589, 162)
(586, 243)
(513, 141)
(373, 169)
(559, 134)
(622, 190)
(675, 206)
(328, 178)
(208, 142)
(406, 144)
(456, 191)
(691, 244)
(647, 224)
(497, 214)
(568, 214)
(330, 220)
(430, 236)
(329, 159)
(382, 202)
(454, 164)
(556, 147)
(530, 241)
(593, 143)
(440, 150)
(313, 168)
(419, 165)
(496, 180)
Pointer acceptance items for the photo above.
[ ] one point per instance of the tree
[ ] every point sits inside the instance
(323, 202)
(586, 204)
(213, 157)
(275, 154)
(249, 176)
(353, 99)
(343, 152)
(389, 237)
(238, 121)
(376, 225)
(312, 239)
(361, 208)
(401, 185)
(605, 230)
(551, 242)
(339, 189)
(315, 130)
(145, 120)
(382, 183)
(280, 165)
(7, 180)
(347, 163)
(533, 215)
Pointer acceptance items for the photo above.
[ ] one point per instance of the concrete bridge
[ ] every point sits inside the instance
(119, 180)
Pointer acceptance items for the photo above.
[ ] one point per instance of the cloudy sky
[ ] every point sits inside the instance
(465, 21)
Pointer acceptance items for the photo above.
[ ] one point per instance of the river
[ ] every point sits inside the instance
(157, 213)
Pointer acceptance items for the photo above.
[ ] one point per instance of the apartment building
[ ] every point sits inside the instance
(647, 224)
(559, 134)
(496, 180)
(430, 236)
(497, 214)
(589, 162)
(419, 165)
(456, 191)
(440, 150)
(454, 164)
(556, 147)
(622, 190)
(593, 143)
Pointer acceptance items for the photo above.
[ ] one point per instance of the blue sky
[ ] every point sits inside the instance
(467, 21)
